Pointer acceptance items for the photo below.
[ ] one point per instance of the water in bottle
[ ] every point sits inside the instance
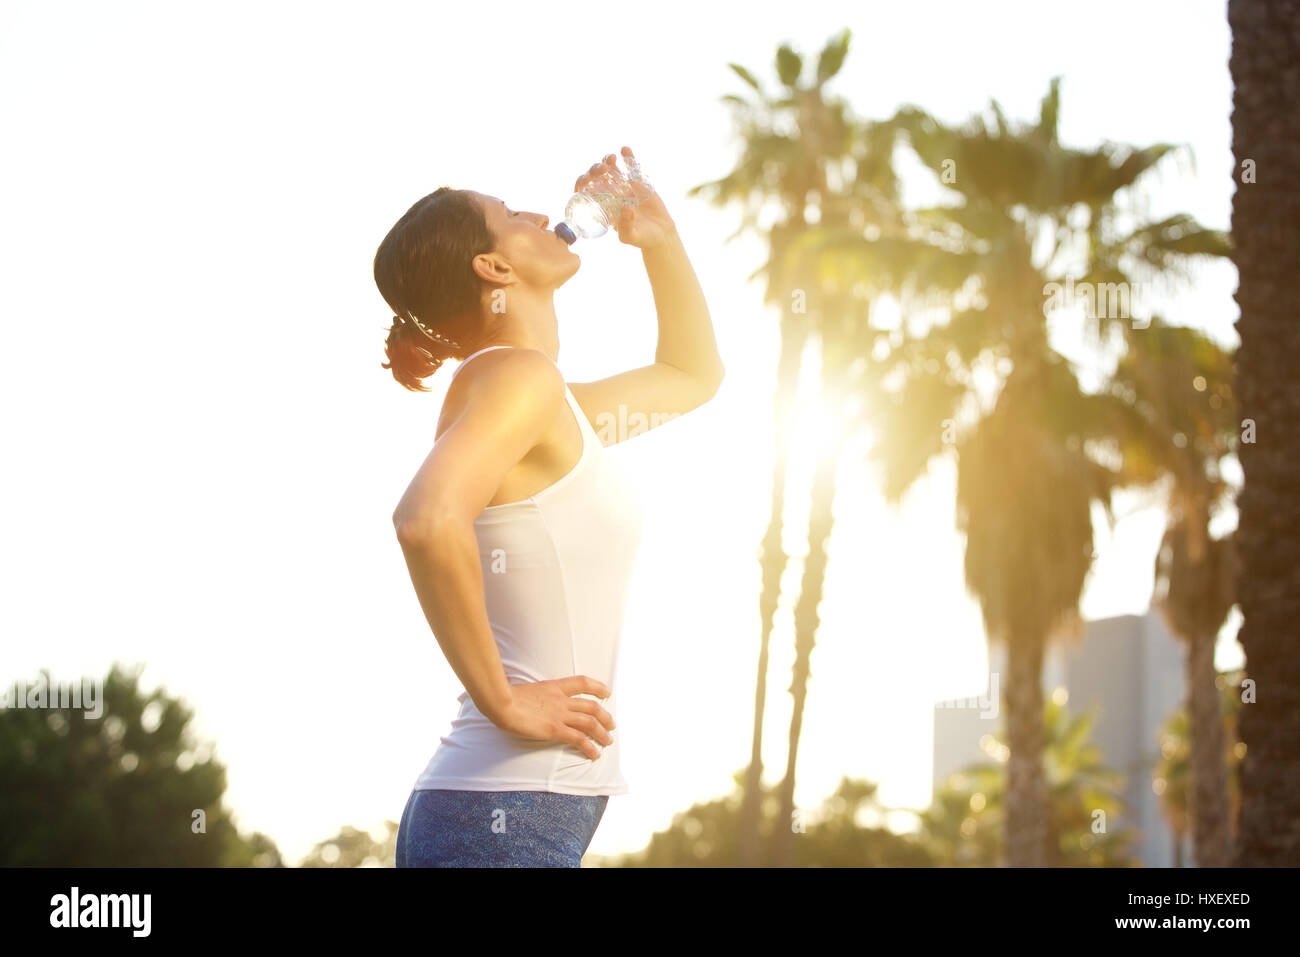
(594, 210)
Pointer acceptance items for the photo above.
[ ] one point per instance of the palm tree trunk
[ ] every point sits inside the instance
(1266, 237)
(821, 521)
(1027, 808)
(773, 559)
(1208, 799)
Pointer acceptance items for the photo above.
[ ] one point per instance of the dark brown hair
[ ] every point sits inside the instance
(423, 271)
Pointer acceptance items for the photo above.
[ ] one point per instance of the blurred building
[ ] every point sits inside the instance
(1131, 669)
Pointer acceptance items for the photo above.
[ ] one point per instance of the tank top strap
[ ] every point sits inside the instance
(456, 371)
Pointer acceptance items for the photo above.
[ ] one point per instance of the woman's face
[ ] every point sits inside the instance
(539, 257)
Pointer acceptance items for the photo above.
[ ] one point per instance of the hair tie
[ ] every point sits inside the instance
(432, 335)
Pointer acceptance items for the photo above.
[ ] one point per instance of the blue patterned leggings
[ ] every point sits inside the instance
(446, 828)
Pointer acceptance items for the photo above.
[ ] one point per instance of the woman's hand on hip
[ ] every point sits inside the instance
(548, 711)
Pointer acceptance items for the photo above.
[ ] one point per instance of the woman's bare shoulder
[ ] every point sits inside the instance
(500, 382)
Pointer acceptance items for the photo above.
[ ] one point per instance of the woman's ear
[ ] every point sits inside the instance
(490, 267)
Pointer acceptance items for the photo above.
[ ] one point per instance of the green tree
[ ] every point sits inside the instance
(352, 847)
(1171, 777)
(118, 790)
(1186, 380)
(965, 826)
(974, 375)
(844, 831)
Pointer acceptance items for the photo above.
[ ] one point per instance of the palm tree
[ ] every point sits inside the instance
(965, 825)
(1171, 777)
(1034, 449)
(797, 150)
(1266, 234)
(1198, 587)
(1180, 382)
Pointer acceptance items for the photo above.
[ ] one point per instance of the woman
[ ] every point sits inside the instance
(519, 534)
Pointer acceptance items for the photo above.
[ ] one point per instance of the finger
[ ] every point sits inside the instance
(587, 706)
(595, 170)
(634, 168)
(598, 172)
(592, 728)
(584, 684)
(583, 744)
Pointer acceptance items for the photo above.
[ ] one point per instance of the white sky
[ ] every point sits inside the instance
(203, 453)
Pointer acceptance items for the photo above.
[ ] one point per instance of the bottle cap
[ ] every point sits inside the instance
(565, 233)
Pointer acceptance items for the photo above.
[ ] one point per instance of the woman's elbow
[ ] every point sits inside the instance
(420, 527)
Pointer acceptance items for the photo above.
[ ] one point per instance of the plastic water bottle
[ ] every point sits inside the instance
(594, 210)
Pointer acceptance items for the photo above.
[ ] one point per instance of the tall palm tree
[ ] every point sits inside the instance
(1196, 581)
(797, 151)
(1034, 449)
(1171, 776)
(1266, 235)
(1180, 382)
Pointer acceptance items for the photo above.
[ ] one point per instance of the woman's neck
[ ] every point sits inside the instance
(529, 324)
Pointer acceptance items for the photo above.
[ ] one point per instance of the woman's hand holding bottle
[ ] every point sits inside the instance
(605, 197)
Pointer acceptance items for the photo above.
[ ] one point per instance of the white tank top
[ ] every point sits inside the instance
(556, 568)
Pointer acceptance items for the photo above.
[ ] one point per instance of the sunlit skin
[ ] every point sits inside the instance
(531, 261)
(506, 432)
